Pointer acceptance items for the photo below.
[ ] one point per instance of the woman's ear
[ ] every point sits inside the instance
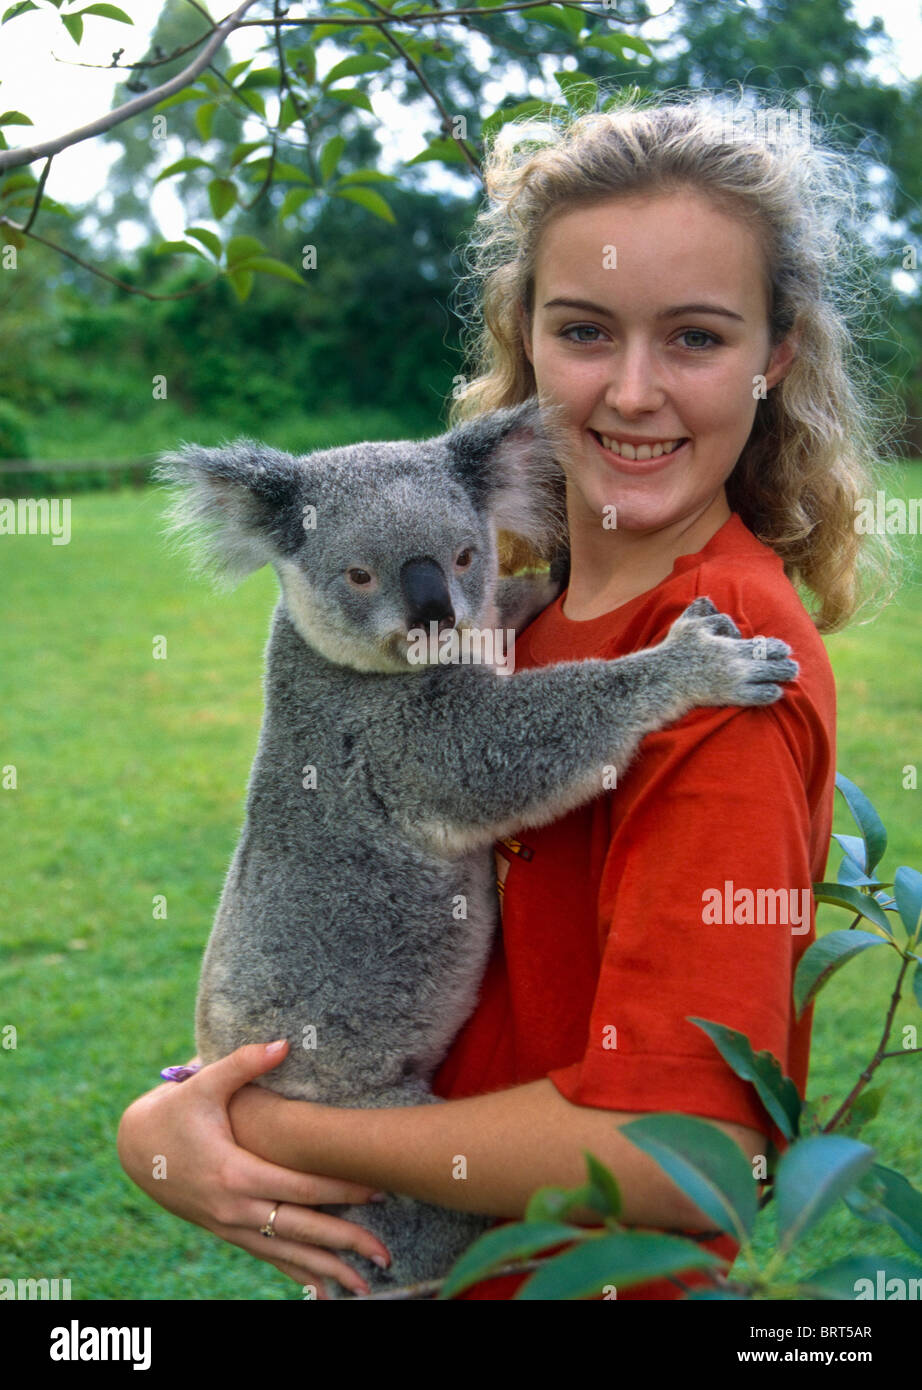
(782, 358)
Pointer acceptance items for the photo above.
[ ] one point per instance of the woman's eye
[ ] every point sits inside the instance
(581, 328)
(699, 333)
(360, 578)
(464, 558)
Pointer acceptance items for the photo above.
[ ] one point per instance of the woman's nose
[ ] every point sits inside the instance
(635, 385)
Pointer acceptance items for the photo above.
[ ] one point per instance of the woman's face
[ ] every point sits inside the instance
(650, 323)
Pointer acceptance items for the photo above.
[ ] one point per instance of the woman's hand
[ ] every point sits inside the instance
(176, 1142)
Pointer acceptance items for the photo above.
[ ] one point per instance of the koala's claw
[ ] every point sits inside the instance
(733, 670)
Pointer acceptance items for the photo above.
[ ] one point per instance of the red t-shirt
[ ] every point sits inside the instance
(610, 918)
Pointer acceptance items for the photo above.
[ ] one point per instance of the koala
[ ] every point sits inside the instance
(360, 904)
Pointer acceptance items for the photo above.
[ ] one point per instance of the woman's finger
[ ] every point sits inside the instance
(305, 1260)
(308, 1227)
(260, 1178)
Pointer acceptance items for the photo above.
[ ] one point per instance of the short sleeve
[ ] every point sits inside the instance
(705, 906)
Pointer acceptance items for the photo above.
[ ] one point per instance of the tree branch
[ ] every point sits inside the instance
(427, 87)
(103, 274)
(11, 159)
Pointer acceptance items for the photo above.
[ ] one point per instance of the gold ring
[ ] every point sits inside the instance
(269, 1228)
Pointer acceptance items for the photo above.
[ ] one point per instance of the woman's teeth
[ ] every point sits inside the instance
(641, 451)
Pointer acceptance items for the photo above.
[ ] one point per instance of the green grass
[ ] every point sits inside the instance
(131, 776)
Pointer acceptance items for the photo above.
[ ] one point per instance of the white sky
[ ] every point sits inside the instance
(38, 75)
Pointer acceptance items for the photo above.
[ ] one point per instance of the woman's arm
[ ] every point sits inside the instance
(177, 1145)
(506, 1144)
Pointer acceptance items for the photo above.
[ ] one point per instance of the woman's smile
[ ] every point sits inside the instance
(642, 459)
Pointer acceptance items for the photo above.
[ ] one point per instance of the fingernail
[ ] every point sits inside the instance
(360, 1287)
(274, 1047)
(380, 1261)
(378, 1197)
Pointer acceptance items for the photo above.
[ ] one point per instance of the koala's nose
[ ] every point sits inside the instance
(426, 592)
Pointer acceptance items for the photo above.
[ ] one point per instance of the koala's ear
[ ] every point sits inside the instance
(239, 505)
(509, 462)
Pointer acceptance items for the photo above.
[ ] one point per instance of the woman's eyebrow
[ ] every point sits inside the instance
(672, 312)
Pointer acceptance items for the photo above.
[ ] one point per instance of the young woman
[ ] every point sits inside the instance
(672, 281)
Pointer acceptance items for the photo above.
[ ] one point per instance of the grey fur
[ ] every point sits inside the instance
(365, 906)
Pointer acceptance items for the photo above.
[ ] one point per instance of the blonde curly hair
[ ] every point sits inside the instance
(815, 445)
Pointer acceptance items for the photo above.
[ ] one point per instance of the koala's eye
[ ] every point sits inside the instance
(464, 558)
(358, 578)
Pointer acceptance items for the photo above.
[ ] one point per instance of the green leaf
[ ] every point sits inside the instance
(839, 1281)
(705, 1162)
(367, 198)
(288, 112)
(821, 960)
(243, 248)
(619, 44)
(74, 26)
(241, 151)
(179, 98)
(867, 820)
(862, 1111)
(17, 9)
(293, 199)
(241, 283)
(14, 183)
(270, 266)
(519, 1240)
(235, 69)
(777, 1092)
(624, 1259)
(330, 157)
(855, 848)
(258, 168)
(603, 1182)
(207, 238)
(581, 92)
(862, 903)
(259, 77)
(907, 889)
(222, 194)
(354, 66)
(253, 100)
(167, 247)
(447, 151)
(204, 118)
(182, 166)
(365, 176)
(555, 1203)
(15, 118)
(812, 1176)
(885, 1196)
(108, 12)
(565, 19)
(917, 984)
(351, 96)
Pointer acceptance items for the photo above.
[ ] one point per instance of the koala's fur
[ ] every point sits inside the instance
(364, 907)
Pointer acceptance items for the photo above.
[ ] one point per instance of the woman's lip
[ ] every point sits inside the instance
(637, 466)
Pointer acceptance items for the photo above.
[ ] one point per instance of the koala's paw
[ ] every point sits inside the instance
(725, 668)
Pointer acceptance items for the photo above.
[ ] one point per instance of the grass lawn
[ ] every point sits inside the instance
(131, 775)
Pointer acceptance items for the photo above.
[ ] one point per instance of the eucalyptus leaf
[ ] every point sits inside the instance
(812, 1176)
(820, 961)
(705, 1163)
